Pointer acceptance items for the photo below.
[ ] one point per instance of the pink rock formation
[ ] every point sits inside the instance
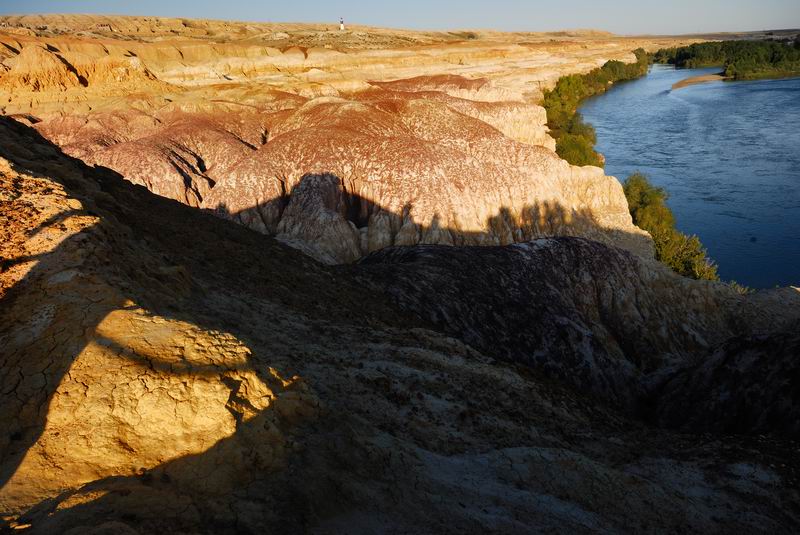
(434, 137)
(403, 170)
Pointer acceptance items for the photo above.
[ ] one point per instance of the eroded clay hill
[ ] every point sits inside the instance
(432, 137)
(164, 370)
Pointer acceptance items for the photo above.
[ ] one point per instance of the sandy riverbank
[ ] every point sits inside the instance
(698, 80)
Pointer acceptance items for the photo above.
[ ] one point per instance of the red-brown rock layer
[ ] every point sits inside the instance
(432, 137)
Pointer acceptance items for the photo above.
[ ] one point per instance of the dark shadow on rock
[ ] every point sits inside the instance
(669, 351)
(589, 315)
(562, 306)
(138, 254)
(580, 311)
(326, 219)
(748, 385)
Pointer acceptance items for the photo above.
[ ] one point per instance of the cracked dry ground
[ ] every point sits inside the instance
(167, 371)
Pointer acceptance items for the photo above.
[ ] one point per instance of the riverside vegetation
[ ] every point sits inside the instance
(741, 60)
(575, 139)
(575, 142)
(683, 254)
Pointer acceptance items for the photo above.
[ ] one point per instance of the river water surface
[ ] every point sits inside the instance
(728, 154)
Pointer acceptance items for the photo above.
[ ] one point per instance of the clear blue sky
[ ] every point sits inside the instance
(620, 16)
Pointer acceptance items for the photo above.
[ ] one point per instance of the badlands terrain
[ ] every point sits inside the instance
(281, 278)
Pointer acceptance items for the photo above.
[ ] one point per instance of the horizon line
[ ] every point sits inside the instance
(442, 30)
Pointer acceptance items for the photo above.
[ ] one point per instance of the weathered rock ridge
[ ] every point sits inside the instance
(436, 137)
(344, 178)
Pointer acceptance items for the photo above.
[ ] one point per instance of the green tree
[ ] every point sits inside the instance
(683, 254)
(740, 60)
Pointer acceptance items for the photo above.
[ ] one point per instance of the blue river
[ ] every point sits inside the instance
(728, 154)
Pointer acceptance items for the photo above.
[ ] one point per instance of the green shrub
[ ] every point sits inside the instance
(577, 150)
(739, 288)
(683, 254)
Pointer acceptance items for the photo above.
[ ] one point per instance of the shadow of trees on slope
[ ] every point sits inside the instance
(325, 218)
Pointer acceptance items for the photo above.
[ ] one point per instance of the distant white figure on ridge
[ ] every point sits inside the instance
(341, 24)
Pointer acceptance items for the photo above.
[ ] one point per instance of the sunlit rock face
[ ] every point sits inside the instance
(94, 386)
(402, 170)
(36, 69)
(435, 138)
(143, 391)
